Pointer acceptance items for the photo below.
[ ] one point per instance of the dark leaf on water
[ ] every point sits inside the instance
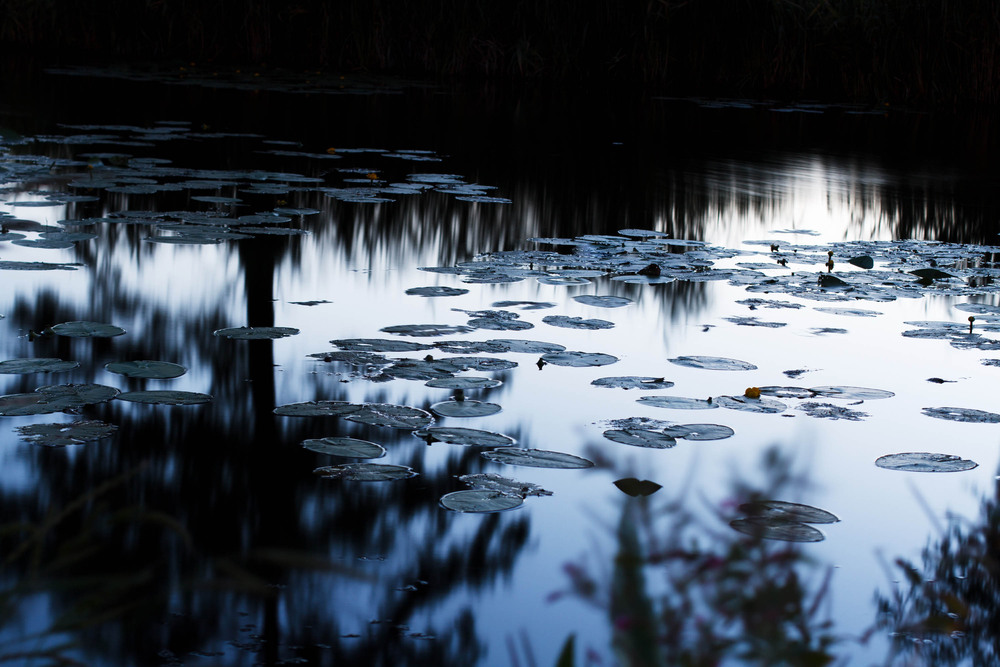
(931, 274)
(678, 402)
(527, 346)
(492, 482)
(925, 462)
(463, 436)
(768, 529)
(567, 322)
(255, 333)
(437, 290)
(452, 408)
(463, 383)
(366, 472)
(963, 415)
(864, 262)
(579, 359)
(25, 366)
(831, 411)
(780, 510)
(851, 393)
(62, 434)
(602, 301)
(84, 329)
(379, 345)
(699, 431)
(392, 416)
(637, 487)
(160, 370)
(641, 438)
(344, 446)
(524, 305)
(536, 458)
(764, 405)
(318, 409)
(163, 397)
(633, 382)
(480, 500)
(425, 330)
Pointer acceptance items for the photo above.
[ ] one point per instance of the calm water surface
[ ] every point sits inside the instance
(200, 535)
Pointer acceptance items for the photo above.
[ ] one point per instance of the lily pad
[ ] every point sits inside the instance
(463, 436)
(602, 301)
(158, 370)
(165, 397)
(317, 409)
(527, 346)
(714, 363)
(780, 510)
(425, 330)
(452, 408)
(524, 305)
(577, 322)
(579, 359)
(963, 415)
(764, 405)
(55, 398)
(641, 438)
(463, 383)
(852, 393)
(699, 431)
(344, 446)
(367, 472)
(379, 345)
(25, 366)
(536, 458)
(637, 487)
(511, 487)
(255, 333)
(831, 411)
(633, 382)
(62, 434)
(678, 402)
(84, 329)
(392, 416)
(925, 462)
(480, 501)
(768, 529)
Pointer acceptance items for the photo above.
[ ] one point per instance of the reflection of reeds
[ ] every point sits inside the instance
(899, 50)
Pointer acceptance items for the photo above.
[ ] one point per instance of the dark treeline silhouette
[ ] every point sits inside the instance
(928, 52)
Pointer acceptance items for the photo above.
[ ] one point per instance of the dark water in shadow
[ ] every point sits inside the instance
(200, 535)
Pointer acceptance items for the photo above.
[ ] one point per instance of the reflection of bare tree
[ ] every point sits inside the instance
(947, 610)
(725, 596)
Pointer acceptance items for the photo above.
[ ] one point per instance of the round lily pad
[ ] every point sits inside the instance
(678, 402)
(579, 359)
(765, 405)
(831, 411)
(391, 416)
(852, 393)
(463, 436)
(25, 366)
(925, 462)
(158, 370)
(527, 346)
(84, 329)
(536, 458)
(633, 382)
(641, 438)
(602, 301)
(62, 434)
(55, 398)
(714, 363)
(343, 446)
(786, 392)
(577, 322)
(463, 383)
(379, 345)
(165, 397)
(317, 409)
(425, 330)
(479, 500)
(367, 472)
(768, 529)
(452, 408)
(963, 415)
(699, 431)
(781, 510)
(255, 333)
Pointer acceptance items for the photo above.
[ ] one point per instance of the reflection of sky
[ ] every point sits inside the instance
(556, 408)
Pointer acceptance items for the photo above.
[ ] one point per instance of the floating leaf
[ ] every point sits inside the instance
(392, 416)
(255, 333)
(379, 345)
(579, 359)
(831, 411)
(633, 382)
(641, 438)
(453, 408)
(851, 393)
(463, 436)
(55, 398)
(159, 370)
(925, 462)
(602, 301)
(765, 405)
(864, 262)
(25, 366)
(714, 363)
(779, 510)
(524, 305)
(493, 482)
(577, 322)
(527, 346)
(963, 415)
(636, 487)
(754, 322)
(463, 383)
(536, 458)
(367, 472)
(425, 330)
(480, 500)
(344, 446)
(165, 397)
(767, 529)
(62, 434)
(850, 312)
(678, 402)
(317, 409)
(931, 274)
(84, 329)
(699, 431)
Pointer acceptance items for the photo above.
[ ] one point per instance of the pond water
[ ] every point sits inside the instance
(668, 234)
